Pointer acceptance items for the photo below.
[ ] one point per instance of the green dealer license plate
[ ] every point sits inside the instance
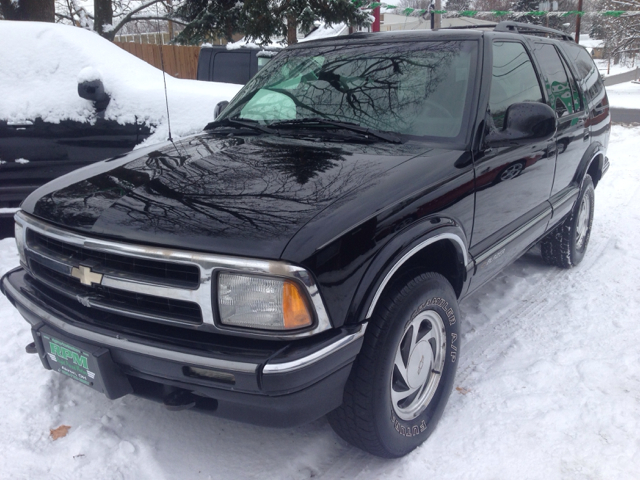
(71, 361)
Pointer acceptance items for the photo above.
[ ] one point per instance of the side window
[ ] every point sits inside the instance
(578, 99)
(514, 80)
(560, 95)
(588, 75)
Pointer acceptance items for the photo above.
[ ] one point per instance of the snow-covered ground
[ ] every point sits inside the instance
(624, 95)
(603, 67)
(41, 64)
(548, 386)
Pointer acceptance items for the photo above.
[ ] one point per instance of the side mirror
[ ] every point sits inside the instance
(94, 90)
(219, 108)
(525, 123)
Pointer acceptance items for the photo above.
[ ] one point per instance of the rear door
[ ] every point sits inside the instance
(573, 128)
(595, 96)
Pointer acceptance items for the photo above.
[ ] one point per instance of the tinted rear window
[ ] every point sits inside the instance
(231, 67)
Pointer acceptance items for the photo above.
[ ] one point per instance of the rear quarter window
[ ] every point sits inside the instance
(586, 70)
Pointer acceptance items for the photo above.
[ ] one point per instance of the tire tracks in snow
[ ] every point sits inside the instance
(537, 300)
(539, 297)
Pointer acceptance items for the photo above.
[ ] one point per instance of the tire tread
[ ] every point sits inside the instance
(351, 421)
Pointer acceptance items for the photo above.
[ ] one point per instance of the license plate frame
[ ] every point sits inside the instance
(65, 358)
(88, 364)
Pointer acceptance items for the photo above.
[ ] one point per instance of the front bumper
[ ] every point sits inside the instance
(273, 383)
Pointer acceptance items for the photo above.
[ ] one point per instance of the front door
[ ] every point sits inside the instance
(513, 183)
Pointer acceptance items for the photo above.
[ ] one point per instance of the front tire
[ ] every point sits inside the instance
(566, 245)
(403, 376)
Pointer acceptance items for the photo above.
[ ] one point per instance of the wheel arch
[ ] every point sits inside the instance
(442, 250)
(592, 163)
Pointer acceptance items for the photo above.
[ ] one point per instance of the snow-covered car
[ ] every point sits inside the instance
(47, 129)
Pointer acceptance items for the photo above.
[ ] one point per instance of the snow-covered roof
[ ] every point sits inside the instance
(393, 22)
(244, 42)
(324, 31)
(40, 64)
(588, 42)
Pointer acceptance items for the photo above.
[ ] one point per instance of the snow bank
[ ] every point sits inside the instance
(41, 63)
(548, 386)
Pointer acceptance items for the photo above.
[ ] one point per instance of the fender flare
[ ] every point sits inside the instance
(595, 152)
(398, 251)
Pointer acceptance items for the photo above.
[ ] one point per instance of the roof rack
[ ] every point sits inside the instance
(531, 29)
(475, 25)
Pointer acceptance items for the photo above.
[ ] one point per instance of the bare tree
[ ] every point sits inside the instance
(34, 10)
(621, 34)
(111, 16)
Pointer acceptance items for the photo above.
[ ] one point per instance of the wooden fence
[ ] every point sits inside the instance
(179, 61)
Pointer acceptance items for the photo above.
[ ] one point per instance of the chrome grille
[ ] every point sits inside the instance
(105, 298)
(167, 273)
(144, 282)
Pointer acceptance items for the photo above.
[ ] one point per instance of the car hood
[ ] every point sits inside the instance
(231, 195)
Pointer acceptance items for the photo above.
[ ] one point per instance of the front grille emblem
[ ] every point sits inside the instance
(86, 276)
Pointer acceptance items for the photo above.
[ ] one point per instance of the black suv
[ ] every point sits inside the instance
(306, 254)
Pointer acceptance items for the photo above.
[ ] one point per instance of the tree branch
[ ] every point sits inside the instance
(129, 16)
(66, 17)
(167, 19)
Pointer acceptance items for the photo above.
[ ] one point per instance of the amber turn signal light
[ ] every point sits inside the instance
(294, 307)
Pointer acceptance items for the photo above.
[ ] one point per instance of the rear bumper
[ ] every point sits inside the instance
(280, 385)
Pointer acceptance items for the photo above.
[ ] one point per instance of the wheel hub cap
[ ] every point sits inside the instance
(582, 225)
(418, 365)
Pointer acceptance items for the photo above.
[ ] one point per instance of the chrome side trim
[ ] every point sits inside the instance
(564, 197)
(411, 253)
(314, 357)
(563, 202)
(207, 263)
(511, 237)
(125, 344)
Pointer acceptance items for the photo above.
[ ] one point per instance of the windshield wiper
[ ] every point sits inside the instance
(237, 123)
(354, 127)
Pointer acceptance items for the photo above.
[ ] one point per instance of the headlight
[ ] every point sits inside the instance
(262, 302)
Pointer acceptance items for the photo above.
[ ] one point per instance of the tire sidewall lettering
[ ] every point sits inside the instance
(422, 425)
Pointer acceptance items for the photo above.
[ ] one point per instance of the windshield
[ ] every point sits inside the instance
(419, 89)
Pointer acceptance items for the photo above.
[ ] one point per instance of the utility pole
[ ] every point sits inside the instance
(375, 26)
(438, 21)
(169, 13)
(432, 9)
(578, 21)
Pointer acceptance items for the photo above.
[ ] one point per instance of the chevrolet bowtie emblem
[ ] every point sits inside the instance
(86, 276)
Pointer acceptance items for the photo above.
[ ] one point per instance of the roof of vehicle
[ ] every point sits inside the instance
(475, 31)
(392, 36)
